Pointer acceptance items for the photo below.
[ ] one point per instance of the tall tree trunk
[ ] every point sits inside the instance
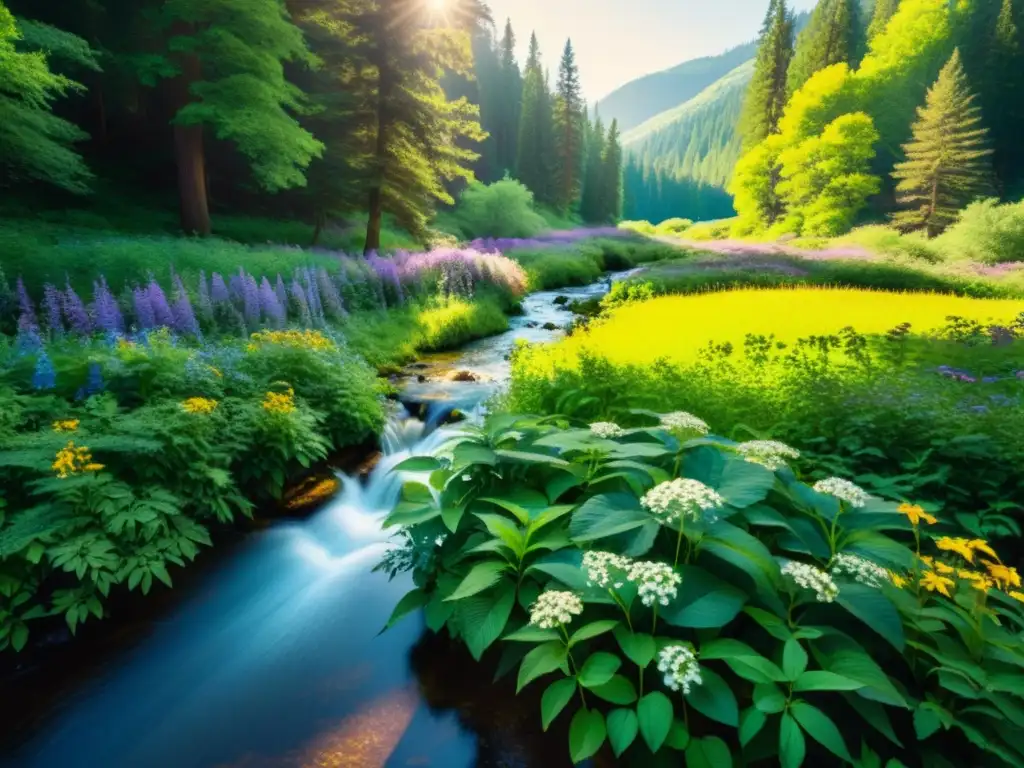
(376, 202)
(188, 146)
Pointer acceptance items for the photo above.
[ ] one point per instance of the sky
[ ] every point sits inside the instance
(619, 40)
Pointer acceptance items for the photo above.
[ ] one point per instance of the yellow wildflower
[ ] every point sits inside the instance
(215, 372)
(916, 514)
(1003, 575)
(200, 405)
(980, 545)
(978, 580)
(67, 425)
(943, 568)
(277, 402)
(935, 583)
(927, 560)
(1017, 596)
(71, 459)
(306, 339)
(958, 545)
(899, 581)
(93, 467)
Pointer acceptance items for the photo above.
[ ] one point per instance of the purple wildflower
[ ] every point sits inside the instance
(218, 290)
(272, 310)
(333, 304)
(236, 287)
(181, 310)
(27, 318)
(74, 311)
(203, 299)
(387, 273)
(300, 303)
(158, 300)
(250, 298)
(144, 314)
(51, 306)
(316, 310)
(44, 376)
(281, 292)
(107, 312)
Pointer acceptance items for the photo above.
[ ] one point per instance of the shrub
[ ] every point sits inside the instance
(673, 226)
(678, 591)
(888, 241)
(454, 322)
(640, 227)
(502, 209)
(710, 230)
(986, 232)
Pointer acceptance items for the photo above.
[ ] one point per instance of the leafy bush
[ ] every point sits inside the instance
(675, 226)
(986, 232)
(456, 321)
(736, 613)
(586, 261)
(640, 227)
(502, 209)
(710, 230)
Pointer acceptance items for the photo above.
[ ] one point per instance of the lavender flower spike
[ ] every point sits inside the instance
(273, 312)
(144, 315)
(52, 308)
(108, 313)
(203, 299)
(184, 318)
(74, 310)
(158, 300)
(27, 318)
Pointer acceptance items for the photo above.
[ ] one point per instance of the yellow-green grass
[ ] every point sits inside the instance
(676, 328)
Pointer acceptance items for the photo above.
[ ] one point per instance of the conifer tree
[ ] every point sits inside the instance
(766, 95)
(1004, 109)
(569, 132)
(534, 152)
(611, 171)
(833, 35)
(948, 161)
(591, 208)
(35, 143)
(883, 11)
(509, 101)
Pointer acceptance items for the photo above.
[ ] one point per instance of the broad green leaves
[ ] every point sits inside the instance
(871, 606)
(598, 669)
(638, 648)
(714, 699)
(586, 734)
(623, 726)
(704, 601)
(540, 661)
(655, 714)
(555, 698)
(480, 577)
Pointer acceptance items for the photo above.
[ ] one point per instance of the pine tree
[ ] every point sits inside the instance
(1005, 92)
(228, 60)
(832, 36)
(534, 151)
(35, 143)
(591, 209)
(509, 102)
(883, 11)
(767, 92)
(611, 172)
(569, 132)
(948, 163)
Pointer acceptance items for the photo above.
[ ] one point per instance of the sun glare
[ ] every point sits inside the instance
(437, 6)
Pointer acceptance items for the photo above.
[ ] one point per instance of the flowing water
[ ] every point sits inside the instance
(273, 660)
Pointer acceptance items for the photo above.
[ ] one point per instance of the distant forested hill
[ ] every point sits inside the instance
(645, 97)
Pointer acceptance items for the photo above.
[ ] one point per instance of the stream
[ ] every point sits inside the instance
(272, 658)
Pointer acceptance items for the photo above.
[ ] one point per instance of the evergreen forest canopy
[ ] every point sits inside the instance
(310, 109)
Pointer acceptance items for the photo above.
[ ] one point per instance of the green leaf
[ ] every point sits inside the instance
(466, 454)
(19, 636)
(623, 727)
(505, 530)
(525, 457)
(740, 482)
(532, 634)
(768, 698)
(678, 736)
(820, 728)
(540, 661)
(437, 612)
(816, 680)
(708, 752)
(606, 515)
(557, 695)
(743, 660)
(598, 669)
(483, 617)
(771, 623)
(926, 722)
(586, 734)
(481, 576)
(568, 573)
(418, 464)
(794, 659)
(522, 514)
(714, 699)
(752, 720)
(452, 516)
(593, 629)
(792, 747)
(704, 601)
(746, 552)
(618, 690)
(845, 657)
(655, 714)
(871, 606)
(874, 714)
(639, 648)
(409, 603)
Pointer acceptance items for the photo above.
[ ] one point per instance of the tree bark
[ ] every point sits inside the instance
(188, 147)
(376, 202)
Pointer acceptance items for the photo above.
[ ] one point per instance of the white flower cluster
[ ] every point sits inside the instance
(657, 582)
(681, 421)
(679, 665)
(770, 453)
(809, 577)
(440, 539)
(860, 569)
(843, 490)
(681, 498)
(606, 429)
(600, 567)
(554, 608)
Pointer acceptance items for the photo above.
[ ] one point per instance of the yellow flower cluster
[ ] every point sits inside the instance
(322, 490)
(67, 425)
(915, 514)
(199, 405)
(72, 459)
(306, 339)
(939, 576)
(280, 402)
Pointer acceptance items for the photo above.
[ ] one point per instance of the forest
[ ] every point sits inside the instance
(376, 391)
